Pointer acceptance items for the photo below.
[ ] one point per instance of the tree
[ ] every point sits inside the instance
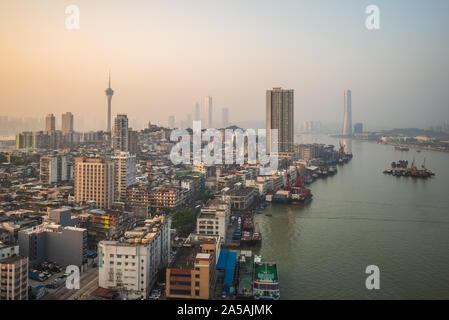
(204, 197)
(17, 161)
(184, 221)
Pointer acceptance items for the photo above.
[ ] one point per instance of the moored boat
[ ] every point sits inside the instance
(266, 280)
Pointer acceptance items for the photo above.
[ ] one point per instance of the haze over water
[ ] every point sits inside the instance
(362, 217)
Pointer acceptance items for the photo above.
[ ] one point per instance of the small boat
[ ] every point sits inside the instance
(268, 214)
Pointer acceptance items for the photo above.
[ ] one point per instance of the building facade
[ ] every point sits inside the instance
(280, 116)
(191, 274)
(14, 278)
(208, 113)
(67, 122)
(132, 264)
(54, 169)
(120, 133)
(125, 174)
(347, 120)
(95, 181)
(50, 122)
(52, 242)
(214, 218)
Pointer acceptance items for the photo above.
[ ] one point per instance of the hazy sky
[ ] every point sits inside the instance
(167, 55)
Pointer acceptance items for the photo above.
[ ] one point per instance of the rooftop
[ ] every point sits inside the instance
(242, 192)
(12, 259)
(266, 271)
(185, 257)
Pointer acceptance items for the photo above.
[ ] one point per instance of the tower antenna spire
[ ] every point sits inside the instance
(109, 78)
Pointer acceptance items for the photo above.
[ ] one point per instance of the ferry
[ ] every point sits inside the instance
(266, 280)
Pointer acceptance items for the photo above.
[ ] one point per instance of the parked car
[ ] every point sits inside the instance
(155, 295)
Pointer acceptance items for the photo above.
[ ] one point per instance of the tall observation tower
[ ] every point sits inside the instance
(109, 94)
(347, 120)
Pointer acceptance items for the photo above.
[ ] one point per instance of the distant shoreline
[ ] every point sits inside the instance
(396, 144)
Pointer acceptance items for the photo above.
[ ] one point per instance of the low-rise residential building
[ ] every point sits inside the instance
(14, 277)
(106, 225)
(214, 217)
(131, 265)
(191, 274)
(261, 184)
(7, 251)
(51, 242)
(157, 197)
(242, 198)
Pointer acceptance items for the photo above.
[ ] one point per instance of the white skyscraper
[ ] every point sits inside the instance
(208, 112)
(347, 121)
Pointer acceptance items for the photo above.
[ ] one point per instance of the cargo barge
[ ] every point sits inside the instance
(401, 169)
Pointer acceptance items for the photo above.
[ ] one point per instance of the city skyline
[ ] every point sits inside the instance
(388, 75)
(229, 160)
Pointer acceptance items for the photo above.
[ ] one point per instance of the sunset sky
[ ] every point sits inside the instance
(167, 55)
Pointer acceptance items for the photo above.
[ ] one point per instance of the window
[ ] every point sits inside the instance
(197, 283)
(197, 292)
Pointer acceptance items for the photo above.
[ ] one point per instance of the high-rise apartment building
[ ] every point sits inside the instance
(208, 112)
(120, 133)
(133, 142)
(54, 169)
(50, 122)
(95, 181)
(225, 117)
(67, 122)
(280, 116)
(125, 174)
(347, 121)
(24, 140)
(197, 112)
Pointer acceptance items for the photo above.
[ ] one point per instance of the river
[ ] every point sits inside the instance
(361, 217)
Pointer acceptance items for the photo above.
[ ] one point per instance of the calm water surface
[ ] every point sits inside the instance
(361, 217)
